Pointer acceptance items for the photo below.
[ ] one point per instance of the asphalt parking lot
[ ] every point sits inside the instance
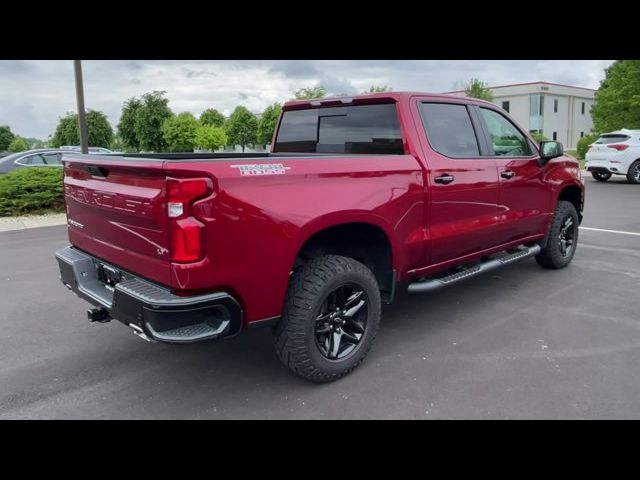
(519, 343)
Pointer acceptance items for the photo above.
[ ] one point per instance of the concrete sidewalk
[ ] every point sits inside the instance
(8, 224)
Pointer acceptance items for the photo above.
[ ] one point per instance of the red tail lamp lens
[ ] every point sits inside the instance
(619, 147)
(187, 233)
(186, 240)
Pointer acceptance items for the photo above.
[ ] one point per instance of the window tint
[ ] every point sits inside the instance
(372, 129)
(51, 158)
(449, 129)
(33, 160)
(507, 140)
(612, 138)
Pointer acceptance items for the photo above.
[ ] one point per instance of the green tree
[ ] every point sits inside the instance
(209, 137)
(213, 117)
(378, 89)
(310, 93)
(66, 125)
(98, 129)
(18, 144)
(180, 132)
(267, 123)
(150, 117)
(117, 145)
(35, 142)
(127, 125)
(6, 137)
(583, 144)
(477, 89)
(242, 127)
(617, 102)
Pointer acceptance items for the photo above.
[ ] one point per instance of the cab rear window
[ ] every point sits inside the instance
(367, 129)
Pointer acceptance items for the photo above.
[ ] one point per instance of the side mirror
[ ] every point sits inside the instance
(549, 150)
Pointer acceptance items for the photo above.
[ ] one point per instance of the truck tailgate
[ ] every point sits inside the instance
(116, 210)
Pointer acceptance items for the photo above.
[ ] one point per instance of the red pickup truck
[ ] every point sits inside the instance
(357, 197)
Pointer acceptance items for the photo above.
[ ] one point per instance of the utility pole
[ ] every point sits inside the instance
(82, 121)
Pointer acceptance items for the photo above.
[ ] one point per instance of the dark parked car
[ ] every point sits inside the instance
(44, 157)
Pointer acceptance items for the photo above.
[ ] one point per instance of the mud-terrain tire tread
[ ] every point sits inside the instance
(550, 256)
(307, 285)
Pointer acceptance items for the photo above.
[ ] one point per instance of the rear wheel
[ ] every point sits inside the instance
(633, 175)
(330, 319)
(562, 238)
(601, 176)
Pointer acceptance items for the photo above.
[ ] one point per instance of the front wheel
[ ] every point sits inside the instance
(633, 175)
(562, 238)
(601, 176)
(330, 319)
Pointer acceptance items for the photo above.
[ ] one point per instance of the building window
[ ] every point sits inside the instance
(505, 106)
(536, 111)
(581, 134)
(582, 108)
(555, 106)
(555, 136)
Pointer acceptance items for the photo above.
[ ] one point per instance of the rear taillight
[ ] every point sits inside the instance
(618, 146)
(187, 233)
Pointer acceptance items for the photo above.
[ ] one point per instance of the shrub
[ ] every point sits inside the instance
(583, 144)
(31, 190)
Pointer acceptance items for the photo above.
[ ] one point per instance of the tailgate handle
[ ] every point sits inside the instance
(97, 171)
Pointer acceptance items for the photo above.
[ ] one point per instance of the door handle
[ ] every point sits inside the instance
(444, 179)
(507, 174)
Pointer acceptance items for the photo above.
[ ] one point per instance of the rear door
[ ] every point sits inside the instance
(524, 200)
(462, 184)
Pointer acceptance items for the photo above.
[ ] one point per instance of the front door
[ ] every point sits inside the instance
(524, 196)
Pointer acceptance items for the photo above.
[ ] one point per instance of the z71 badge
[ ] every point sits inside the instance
(262, 169)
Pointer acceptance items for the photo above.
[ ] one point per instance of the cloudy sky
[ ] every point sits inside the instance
(34, 94)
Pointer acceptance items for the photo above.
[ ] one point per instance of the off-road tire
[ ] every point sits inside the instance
(295, 334)
(551, 255)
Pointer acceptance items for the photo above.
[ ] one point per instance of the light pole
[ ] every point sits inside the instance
(82, 121)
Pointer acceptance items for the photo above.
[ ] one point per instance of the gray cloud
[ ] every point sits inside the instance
(34, 94)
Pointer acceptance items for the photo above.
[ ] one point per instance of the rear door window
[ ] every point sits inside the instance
(367, 129)
(449, 129)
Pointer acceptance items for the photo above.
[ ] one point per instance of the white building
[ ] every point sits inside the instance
(559, 112)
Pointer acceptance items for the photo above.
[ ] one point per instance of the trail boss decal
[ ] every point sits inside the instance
(262, 169)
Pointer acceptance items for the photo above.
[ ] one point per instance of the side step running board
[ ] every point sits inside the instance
(494, 263)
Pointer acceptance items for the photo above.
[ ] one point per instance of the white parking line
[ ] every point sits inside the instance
(636, 234)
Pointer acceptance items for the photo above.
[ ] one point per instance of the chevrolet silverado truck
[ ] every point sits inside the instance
(357, 197)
